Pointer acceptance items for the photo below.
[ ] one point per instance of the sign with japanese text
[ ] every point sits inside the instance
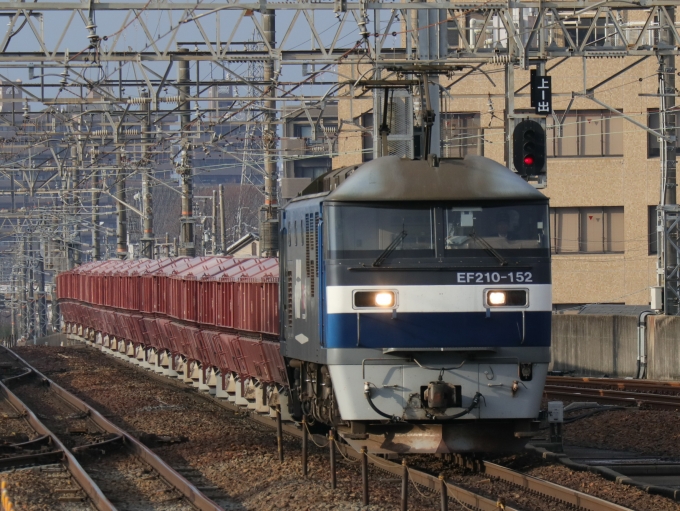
(541, 94)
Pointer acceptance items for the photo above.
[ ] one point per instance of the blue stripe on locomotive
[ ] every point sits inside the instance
(438, 329)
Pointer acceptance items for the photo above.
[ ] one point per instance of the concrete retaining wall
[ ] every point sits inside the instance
(663, 350)
(592, 345)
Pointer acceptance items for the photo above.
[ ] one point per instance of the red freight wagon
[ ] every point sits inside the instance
(251, 355)
(152, 335)
(139, 298)
(176, 338)
(208, 283)
(248, 296)
(225, 353)
(129, 292)
(120, 325)
(92, 276)
(148, 279)
(122, 287)
(277, 366)
(185, 288)
(239, 360)
(164, 299)
(232, 312)
(139, 331)
(209, 349)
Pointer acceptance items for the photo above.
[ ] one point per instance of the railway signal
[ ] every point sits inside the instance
(529, 148)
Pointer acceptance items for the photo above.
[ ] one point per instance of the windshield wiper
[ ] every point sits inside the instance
(488, 246)
(389, 249)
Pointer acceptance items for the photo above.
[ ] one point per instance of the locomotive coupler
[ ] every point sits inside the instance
(438, 394)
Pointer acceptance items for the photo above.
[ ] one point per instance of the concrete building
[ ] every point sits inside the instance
(604, 174)
(308, 144)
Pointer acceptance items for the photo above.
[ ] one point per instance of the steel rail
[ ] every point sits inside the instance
(175, 479)
(423, 479)
(616, 384)
(656, 401)
(556, 491)
(90, 488)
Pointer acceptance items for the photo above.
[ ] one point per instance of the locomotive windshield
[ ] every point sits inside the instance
(410, 231)
(367, 231)
(518, 226)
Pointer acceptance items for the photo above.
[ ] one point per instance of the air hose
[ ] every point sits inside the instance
(367, 395)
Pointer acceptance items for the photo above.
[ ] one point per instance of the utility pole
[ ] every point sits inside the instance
(214, 223)
(22, 285)
(96, 194)
(41, 301)
(55, 308)
(669, 210)
(77, 160)
(30, 279)
(12, 192)
(509, 99)
(186, 243)
(268, 213)
(13, 306)
(121, 209)
(223, 227)
(147, 241)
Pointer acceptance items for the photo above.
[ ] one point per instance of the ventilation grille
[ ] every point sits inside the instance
(289, 299)
(311, 250)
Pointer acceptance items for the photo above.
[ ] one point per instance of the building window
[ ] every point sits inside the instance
(653, 142)
(310, 172)
(587, 230)
(303, 131)
(603, 34)
(585, 133)
(367, 137)
(461, 134)
(651, 230)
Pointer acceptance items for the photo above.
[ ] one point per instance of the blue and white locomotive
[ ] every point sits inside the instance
(416, 304)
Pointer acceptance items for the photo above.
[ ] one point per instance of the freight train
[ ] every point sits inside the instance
(410, 309)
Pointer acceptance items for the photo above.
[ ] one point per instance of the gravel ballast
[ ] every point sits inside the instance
(233, 454)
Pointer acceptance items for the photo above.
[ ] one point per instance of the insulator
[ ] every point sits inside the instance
(170, 99)
(100, 133)
(138, 101)
(500, 59)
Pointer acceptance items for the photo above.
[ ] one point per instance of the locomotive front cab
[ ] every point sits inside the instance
(435, 305)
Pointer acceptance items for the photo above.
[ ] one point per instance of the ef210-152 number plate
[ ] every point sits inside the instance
(494, 277)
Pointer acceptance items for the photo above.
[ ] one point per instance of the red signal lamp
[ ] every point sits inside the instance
(528, 160)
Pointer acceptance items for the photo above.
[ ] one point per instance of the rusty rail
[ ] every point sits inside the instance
(188, 490)
(652, 387)
(617, 384)
(562, 493)
(423, 479)
(90, 488)
(597, 392)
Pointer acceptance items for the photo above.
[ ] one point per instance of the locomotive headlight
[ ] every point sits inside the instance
(384, 299)
(375, 299)
(496, 298)
(506, 297)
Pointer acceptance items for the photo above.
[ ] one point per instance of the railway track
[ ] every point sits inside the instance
(650, 394)
(111, 468)
(433, 486)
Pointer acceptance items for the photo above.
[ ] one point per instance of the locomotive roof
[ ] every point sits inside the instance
(399, 179)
